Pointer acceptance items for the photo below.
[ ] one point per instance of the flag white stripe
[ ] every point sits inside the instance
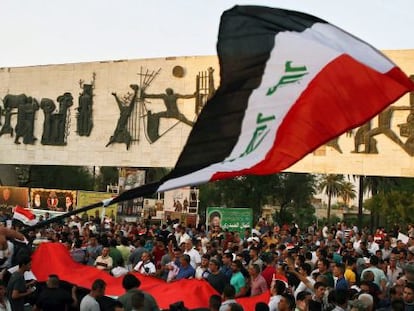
(24, 219)
(325, 43)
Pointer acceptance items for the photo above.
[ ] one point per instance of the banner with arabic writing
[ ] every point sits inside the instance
(233, 219)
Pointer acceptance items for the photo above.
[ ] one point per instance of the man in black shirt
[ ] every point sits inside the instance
(54, 297)
(17, 289)
(216, 278)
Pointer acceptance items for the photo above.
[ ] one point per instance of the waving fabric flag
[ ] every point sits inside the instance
(25, 216)
(290, 82)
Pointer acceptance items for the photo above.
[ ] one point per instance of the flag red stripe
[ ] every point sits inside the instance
(343, 95)
(24, 212)
(54, 258)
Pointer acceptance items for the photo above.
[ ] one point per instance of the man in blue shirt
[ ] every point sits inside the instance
(338, 273)
(186, 271)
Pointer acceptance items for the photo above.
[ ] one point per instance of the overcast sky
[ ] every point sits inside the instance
(53, 32)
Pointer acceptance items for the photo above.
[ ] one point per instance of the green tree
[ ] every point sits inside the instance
(393, 207)
(59, 177)
(108, 175)
(348, 192)
(378, 185)
(290, 191)
(293, 194)
(331, 185)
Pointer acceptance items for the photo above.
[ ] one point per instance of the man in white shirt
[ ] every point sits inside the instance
(89, 302)
(145, 266)
(104, 262)
(195, 258)
(278, 287)
(183, 237)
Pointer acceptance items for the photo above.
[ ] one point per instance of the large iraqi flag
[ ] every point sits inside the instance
(290, 82)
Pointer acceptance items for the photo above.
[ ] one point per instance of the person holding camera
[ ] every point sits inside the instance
(145, 266)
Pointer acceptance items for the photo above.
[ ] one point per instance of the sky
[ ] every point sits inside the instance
(55, 32)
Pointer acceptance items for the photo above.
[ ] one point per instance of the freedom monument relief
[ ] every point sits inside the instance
(139, 113)
(118, 113)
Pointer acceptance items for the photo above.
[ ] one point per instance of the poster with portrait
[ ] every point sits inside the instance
(53, 199)
(149, 208)
(193, 201)
(177, 200)
(12, 196)
(130, 178)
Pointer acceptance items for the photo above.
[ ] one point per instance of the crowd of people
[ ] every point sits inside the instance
(336, 267)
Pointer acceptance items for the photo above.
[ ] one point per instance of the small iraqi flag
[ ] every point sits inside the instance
(289, 82)
(25, 216)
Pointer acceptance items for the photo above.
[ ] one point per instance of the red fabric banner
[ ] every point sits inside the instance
(54, 258)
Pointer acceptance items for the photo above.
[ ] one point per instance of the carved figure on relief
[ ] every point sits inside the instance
(84, 116)
(121, 133)
(170, 101)
(25, 121)
(56, 125)
(25, 107)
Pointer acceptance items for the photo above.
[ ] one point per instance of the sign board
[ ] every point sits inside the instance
(91, 197)
(233, 219)
(53, 199)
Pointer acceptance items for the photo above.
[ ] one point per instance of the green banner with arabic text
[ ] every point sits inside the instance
(233, 219)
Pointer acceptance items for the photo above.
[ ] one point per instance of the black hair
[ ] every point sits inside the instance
(214, 214)
(236, 307)
(186, 258)
(302, 295)
(374, 260)
(280, 287)
(290, 300)
(130, 281)
(261, 306)
(214, 302)
(229, 291)
(98, 284)
(341, 296)
(307, 267)
(319, 284)
(24, 260)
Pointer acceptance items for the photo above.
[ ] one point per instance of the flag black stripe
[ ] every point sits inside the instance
(246, 39)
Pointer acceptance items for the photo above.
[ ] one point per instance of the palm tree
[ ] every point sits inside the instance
(331, 185)
(378, 185)
(348, 192)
